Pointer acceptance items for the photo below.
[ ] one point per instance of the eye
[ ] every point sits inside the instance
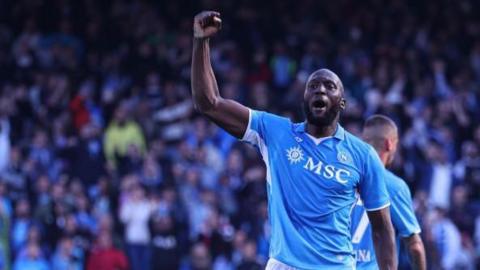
(313, 85)
(330, 85)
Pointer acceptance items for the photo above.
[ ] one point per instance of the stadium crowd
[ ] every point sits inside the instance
(104, 164)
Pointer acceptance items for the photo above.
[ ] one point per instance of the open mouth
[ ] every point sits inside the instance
(319, 104)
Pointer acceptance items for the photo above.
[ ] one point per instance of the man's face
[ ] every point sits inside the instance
(323, 98)
(121, 115)
(384, 141)
(394, 143)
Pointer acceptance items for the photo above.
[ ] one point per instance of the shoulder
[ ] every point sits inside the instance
(360, 150)
(395, 184)
(357, 144)
(264, 123)
(268, 117)
(133, 125)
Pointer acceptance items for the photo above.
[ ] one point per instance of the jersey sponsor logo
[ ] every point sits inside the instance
(327, 171)
(295, 155)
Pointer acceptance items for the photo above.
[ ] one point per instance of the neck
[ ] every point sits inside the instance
(321, 131)
(384, 158)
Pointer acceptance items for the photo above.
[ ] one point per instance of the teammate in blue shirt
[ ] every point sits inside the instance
(313, 168)
(381, 132)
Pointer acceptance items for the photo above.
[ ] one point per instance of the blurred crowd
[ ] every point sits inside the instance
(104, 164)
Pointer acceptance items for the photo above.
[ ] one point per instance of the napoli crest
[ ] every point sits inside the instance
(344, 156)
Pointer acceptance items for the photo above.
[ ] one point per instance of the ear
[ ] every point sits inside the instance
(343, 104)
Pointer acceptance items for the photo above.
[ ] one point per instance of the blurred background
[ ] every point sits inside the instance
(104, 164)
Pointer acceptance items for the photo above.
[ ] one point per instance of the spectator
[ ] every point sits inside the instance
(123, 135)
(448, 243)
(151, 175)
(87, 161)
(34, 236)
(166, 242)
(467, 169)
(67, 257)
(438, 176)
(249, 254)
(105, 256)
(199, 258)
(32, 259)
(135, 212)
(21, 225)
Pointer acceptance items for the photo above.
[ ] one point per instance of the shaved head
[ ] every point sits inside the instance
(327, 73)
(382, 133)
(323, 99)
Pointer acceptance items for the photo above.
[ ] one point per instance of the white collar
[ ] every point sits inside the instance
(317, 141)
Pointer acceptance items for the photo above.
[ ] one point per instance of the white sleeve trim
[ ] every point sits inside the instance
(378, 208)
(248, 129)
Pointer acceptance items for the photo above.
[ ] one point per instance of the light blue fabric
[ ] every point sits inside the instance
(311, 190)
(403, 219)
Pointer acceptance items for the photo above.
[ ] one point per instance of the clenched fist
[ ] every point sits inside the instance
(206, 24)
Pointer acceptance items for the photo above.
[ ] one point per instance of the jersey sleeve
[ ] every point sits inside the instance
(373, 190)
(256, 131)
(263, 128)
(403, 216)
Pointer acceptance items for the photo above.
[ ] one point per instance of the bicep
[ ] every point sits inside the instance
(379, 218)
(230, 115)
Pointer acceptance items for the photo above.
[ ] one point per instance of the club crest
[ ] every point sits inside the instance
(344, 157)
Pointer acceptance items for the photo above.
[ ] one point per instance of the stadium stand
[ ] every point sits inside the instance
(103, 156)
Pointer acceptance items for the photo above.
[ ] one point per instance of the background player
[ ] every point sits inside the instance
(381, 132)
(313, 168)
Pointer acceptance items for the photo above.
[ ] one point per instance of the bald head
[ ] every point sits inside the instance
(323, 100)
(327, 73)
(382, 133)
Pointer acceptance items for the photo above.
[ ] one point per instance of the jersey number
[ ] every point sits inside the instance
(361, 228)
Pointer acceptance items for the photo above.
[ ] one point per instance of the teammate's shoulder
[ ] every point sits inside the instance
(396, 183)
(356, 143)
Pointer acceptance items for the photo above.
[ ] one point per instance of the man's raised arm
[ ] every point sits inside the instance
(228, 114)
(383, 238)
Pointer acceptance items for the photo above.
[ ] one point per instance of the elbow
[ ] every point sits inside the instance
(416, 249)
(197, 106)
(205, 106)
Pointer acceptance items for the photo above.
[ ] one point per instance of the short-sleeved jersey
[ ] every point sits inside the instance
(311, 190)
(403, 219)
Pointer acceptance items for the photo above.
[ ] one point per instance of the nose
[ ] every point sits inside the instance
(320, 90)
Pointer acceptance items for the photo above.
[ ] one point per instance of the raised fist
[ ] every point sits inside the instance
(206, 24)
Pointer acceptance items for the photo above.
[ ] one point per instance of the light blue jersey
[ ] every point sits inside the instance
(311, 190)
(403, 219)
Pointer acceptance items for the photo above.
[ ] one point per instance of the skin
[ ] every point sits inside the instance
(384, 138)
(323, 85)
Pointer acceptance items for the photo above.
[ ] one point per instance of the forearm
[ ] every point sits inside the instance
(385, 250)
(204, 85)
(416, 251)
(384, 242)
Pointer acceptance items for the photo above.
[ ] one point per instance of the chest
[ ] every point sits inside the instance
(328, 165)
